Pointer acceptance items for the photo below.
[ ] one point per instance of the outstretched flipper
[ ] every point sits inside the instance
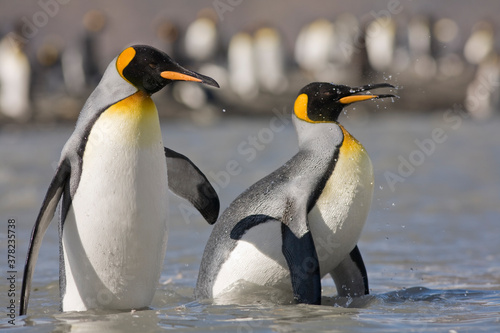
(46, 214)
(350, 276)
(302, 260)
(188, 182)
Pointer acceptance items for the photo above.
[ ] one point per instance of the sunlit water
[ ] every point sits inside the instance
(430, 245)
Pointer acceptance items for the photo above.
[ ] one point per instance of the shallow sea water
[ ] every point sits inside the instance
(430, 245)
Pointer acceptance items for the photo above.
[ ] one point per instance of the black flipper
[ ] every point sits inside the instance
(43, 220)
(248, 223)
(188, 182)
(302, 260)
(350, 276)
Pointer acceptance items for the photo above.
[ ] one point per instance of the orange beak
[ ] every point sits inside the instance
(356, 98)
(176, 76)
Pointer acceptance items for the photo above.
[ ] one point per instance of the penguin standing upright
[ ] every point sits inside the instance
(380, 40)
(270, 60)
(113, 178)
(79, 59)
(302, 221)
(241, 66)
(15, 76)
(314, 47)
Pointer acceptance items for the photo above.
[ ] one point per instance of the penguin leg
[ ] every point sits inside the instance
(188, 182)
(350, 276)
(302, 260)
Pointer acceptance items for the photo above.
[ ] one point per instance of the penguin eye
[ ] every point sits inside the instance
(152, 65)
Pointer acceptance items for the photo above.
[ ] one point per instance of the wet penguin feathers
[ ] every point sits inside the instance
(302, 221)
(323, 102)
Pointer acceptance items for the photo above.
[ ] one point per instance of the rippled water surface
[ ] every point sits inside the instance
(431, 242)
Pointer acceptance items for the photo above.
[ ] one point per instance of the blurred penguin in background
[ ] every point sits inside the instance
(241, 66)
(270, 60)
(420, 44)
(447, 48)
(346, 62)
(47, 68)
(168, 33)
(326, 51)
(483, 93)
(380, 40)
(201, 42)
(15, 75)
(79, 60)
(480, 44)
(346, 31)
(313, 49)
(202, 49)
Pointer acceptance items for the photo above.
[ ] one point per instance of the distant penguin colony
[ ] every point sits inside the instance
(113, 178)
(302, 221)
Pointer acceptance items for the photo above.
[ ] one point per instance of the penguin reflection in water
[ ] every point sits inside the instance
(113, 177)
(302, 221)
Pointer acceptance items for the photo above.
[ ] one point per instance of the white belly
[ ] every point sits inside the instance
(256, 259)
(340, 213)
(115, 234)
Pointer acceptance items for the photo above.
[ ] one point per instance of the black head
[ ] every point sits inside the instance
(323, 102)
(150, 69)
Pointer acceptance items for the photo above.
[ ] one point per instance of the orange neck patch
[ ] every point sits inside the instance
(350, 145)
(136, 105)
(134, 120)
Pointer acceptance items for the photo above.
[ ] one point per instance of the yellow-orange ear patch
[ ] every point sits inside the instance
(300, 107)
(124, 59)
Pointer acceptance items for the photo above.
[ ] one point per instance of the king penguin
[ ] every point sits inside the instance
(302, 221)
(113, 178)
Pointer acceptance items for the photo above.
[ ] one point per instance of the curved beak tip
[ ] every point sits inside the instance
(386, 96)
(355, 95)
(210, 82)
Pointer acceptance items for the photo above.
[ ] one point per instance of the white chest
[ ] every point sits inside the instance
(340, 213)
(116, 230)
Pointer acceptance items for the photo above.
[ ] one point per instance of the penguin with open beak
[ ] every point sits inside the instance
(113, 179)
(303, 221)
